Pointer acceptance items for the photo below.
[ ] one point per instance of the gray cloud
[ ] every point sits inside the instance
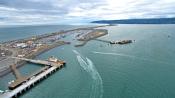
(77, 11)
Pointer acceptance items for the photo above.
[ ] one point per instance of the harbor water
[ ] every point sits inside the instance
(142, 69)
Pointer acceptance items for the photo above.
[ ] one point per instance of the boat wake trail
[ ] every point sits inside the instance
(88, 66)
(119, 54)
(130, 56)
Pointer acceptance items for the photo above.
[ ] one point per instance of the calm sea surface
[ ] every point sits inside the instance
(143, 69)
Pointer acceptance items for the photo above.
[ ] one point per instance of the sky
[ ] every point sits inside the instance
(26, 12)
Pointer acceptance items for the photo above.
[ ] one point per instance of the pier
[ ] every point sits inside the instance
(23, 83)
(41, 62)
(115, 42)
(102, 40)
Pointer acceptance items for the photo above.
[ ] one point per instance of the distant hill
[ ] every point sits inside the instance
(138, 21)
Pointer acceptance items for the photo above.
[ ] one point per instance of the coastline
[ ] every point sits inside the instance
(5, 70)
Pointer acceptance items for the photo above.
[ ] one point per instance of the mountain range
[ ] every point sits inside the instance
(138, 21)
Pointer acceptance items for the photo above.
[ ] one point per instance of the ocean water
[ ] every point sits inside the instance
(17, 32)
(143, 69)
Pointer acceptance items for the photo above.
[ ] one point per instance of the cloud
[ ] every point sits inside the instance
(79, 11)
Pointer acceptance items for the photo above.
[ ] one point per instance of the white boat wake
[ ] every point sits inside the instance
(88, 66)
(131, 56)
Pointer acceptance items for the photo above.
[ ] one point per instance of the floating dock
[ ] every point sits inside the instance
(22, 84)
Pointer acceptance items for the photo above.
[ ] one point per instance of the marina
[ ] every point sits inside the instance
(33, 46)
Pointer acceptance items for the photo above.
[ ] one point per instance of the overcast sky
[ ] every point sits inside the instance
(81, 11)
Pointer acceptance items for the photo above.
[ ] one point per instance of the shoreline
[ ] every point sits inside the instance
(53, 33)
(6, 70)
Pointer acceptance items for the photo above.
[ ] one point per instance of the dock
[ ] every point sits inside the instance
(122, 42)
(24, 83)
(102, 40)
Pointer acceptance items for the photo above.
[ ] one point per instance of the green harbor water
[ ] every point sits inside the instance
(143, 69)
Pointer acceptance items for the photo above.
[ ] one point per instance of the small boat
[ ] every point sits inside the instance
(1, 91)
